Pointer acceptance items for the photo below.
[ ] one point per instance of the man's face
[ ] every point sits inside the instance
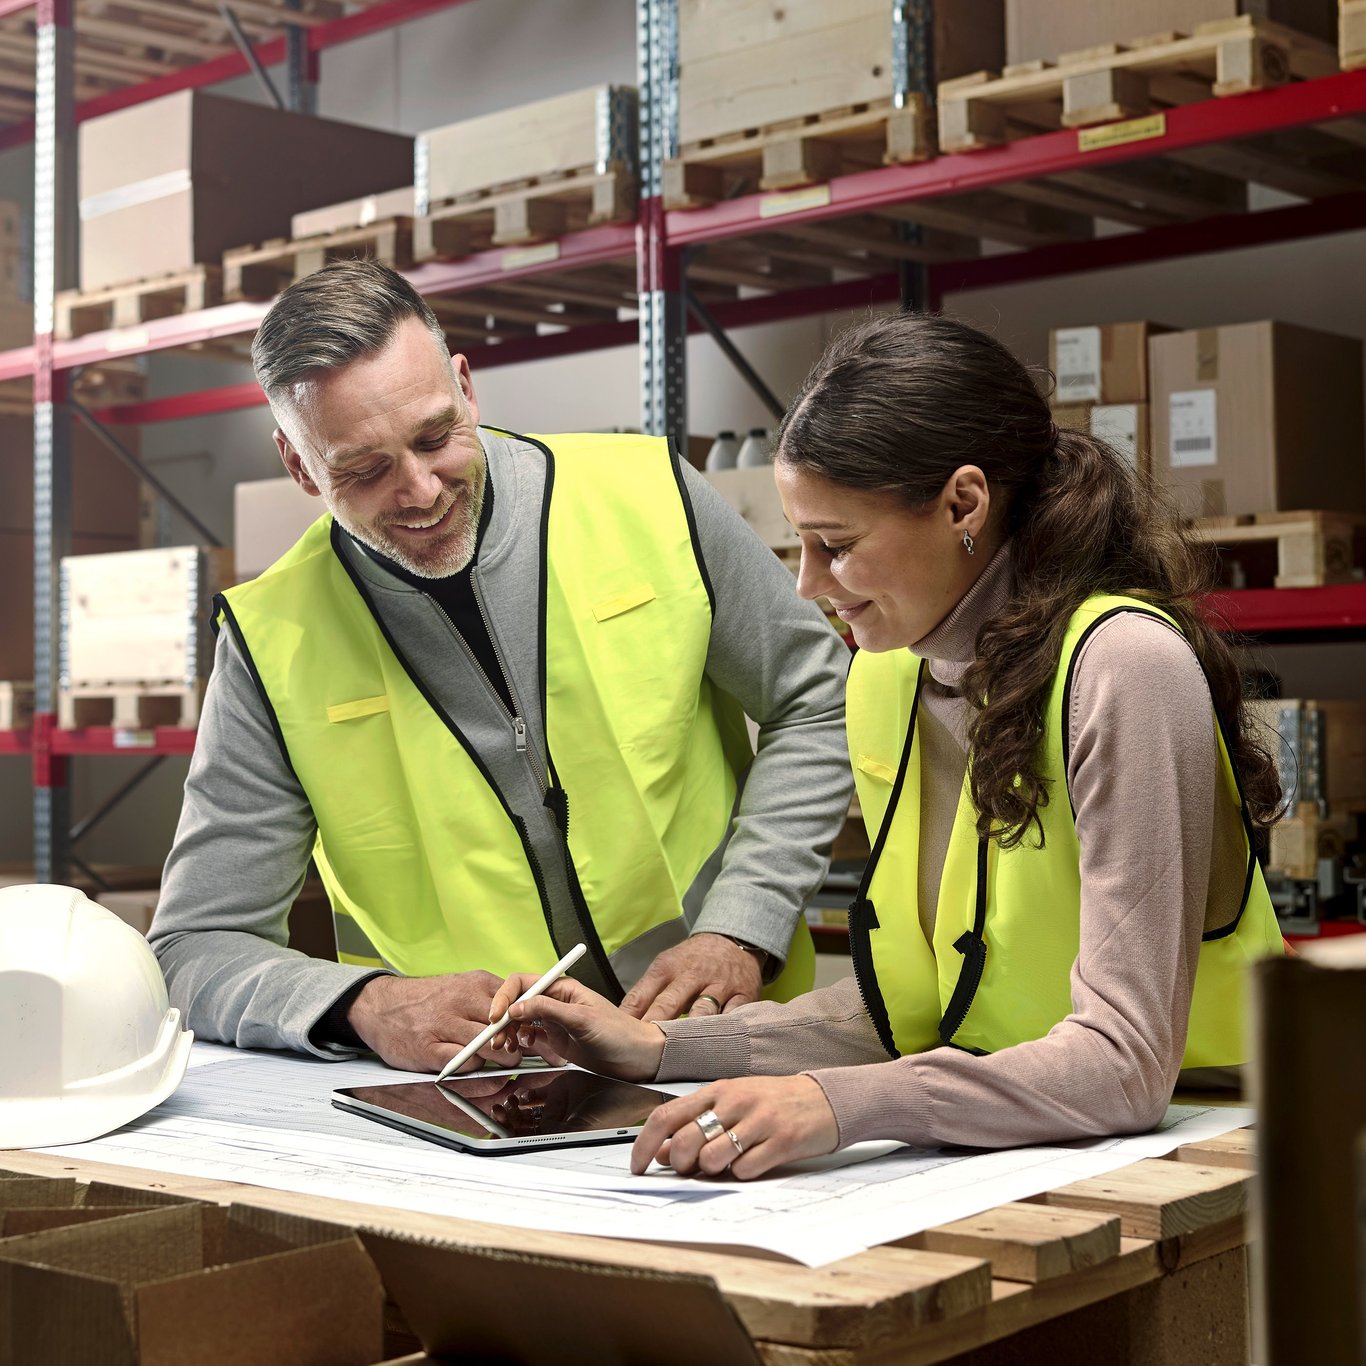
(389, 443)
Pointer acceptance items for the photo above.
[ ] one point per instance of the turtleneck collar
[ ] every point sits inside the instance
(951, 646)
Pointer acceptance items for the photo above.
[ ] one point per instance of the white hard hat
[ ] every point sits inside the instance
(88, 1039)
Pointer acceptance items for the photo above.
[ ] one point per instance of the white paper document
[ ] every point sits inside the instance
(267, 1119)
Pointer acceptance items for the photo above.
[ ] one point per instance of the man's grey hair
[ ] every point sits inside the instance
(346, 310)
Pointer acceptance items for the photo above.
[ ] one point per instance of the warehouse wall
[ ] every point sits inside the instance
(485, 56)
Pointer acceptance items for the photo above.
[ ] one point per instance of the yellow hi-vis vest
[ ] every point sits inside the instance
(1008, 922)
(418, 848)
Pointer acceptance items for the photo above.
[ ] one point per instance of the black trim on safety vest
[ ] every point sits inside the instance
(1225, 930)
(973, 947)
(862, 913)
(220, 604)
(518, 824)
(676, 464)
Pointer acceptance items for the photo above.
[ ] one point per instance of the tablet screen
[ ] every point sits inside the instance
(523, 1105)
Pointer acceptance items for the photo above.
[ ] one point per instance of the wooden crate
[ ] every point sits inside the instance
(79, 312)
(1308, 834)
(135, 646)
(1320, 748)
(1118, 82)
(1352, 34)
(262, 272)
(1287, 549)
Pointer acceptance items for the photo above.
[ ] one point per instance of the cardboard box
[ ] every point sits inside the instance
(753, 494)
(136, 617)
(1258, 417)
(1047, 28)
(193, 1283)
(1101, 364)
(268, 516)
(177, 181)
(104, 491)
(16, 601)
(595, 127)
(1124, 426)
(1320, 747)
(747, 64)
(354, 213)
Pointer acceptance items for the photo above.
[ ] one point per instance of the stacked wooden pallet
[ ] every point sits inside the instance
(1287, 549)
(1352, 34)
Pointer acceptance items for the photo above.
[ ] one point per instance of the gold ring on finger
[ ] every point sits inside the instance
(706, 997)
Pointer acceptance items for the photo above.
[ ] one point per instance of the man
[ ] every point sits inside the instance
(498, 695)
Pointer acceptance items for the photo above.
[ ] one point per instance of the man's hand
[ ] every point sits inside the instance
(418, 1024)
(703, 975)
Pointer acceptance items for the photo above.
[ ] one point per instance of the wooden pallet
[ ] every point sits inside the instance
(16, 706)
(78, 312)
(516, 215)
(1287, 549)
(262, 272)
(1351, 34)
(1114, 82)
(129, 707)
(1307, 835)
(785, 156)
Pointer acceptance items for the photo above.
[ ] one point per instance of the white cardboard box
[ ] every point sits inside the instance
(269, 515)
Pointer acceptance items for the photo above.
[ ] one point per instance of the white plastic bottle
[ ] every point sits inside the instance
(754, 452)
(724, 451)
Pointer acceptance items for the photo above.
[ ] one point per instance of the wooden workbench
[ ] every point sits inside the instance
(1146, 1265)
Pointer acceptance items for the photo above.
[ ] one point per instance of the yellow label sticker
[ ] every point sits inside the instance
(531, 256)
(1115, 134)
(794, 201)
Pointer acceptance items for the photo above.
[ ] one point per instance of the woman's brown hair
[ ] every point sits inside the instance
(896, 405)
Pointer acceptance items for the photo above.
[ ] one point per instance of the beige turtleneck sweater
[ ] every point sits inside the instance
(1157, 857)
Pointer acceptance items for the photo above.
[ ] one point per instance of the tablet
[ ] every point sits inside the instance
(555, 1108)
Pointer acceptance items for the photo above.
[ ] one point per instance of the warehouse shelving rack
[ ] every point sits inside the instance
(861, 228)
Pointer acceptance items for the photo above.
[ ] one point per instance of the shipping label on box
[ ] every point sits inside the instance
(1077, 364)
(1193, 415)
(1124, 427)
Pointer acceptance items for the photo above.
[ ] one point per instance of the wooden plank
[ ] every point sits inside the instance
(261, 272)
(1028, 1242)
(1158, 1199)
(80, 312)
(1237, 1149)
(1352, 52)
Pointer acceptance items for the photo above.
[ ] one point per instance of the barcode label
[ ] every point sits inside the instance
(1193, 415)
(1076, 356)
(1117, 423)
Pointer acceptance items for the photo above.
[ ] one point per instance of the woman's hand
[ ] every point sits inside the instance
(570, 1023)
(773, 1119)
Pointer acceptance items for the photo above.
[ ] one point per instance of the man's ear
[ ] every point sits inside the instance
(461, 367)
(295, 465)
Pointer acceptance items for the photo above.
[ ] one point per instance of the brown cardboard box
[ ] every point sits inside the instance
(16, 601)
(590, 127)
(1047, 28)
(354, 213)
(1101, 364)
(193, 1283)
(268, 516)
(176, 181)
(1258, 417)
(104, 491)
(749, 63)
(1124, 426)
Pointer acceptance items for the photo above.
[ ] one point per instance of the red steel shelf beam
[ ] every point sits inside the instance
(16, 741)
(376, 19)
(108, 740)
(1276, 611)
(1191, 125)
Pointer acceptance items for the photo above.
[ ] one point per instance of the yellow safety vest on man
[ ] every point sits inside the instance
(1008, 921)
(418, 849)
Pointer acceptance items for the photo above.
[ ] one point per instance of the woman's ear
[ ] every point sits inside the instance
(969, 500)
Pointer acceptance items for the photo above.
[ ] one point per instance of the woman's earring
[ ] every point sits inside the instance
(968, 544)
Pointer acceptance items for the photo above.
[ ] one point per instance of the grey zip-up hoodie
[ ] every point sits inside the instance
(246, 829)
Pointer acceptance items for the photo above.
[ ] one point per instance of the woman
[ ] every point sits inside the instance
(1044, 734)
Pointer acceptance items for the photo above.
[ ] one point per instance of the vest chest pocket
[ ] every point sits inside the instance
(353, 711)
(623, 602)
(875, 768)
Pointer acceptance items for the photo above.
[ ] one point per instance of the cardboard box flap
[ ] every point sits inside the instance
(105, 1194)
(252, 1231)
(456, 1299)
(17, 1190)
(15, 1223)
(55, 1318)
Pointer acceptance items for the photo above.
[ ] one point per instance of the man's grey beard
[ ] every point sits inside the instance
(456, 549)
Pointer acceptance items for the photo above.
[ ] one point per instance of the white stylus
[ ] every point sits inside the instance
(535, 989)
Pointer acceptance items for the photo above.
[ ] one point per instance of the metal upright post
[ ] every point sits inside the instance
(659, 267)
(302, 89)
(912, 74)
(54, 267)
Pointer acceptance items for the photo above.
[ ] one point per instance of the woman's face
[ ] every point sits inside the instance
(891, 572)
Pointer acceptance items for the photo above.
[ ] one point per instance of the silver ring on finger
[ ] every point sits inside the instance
(707, 997)
(709, 1124)
(735, 1139)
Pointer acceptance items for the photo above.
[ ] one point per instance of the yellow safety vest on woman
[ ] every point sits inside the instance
(418, 848)
(1007, 927)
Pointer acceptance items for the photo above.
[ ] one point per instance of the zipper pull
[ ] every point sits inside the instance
(519, 730)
